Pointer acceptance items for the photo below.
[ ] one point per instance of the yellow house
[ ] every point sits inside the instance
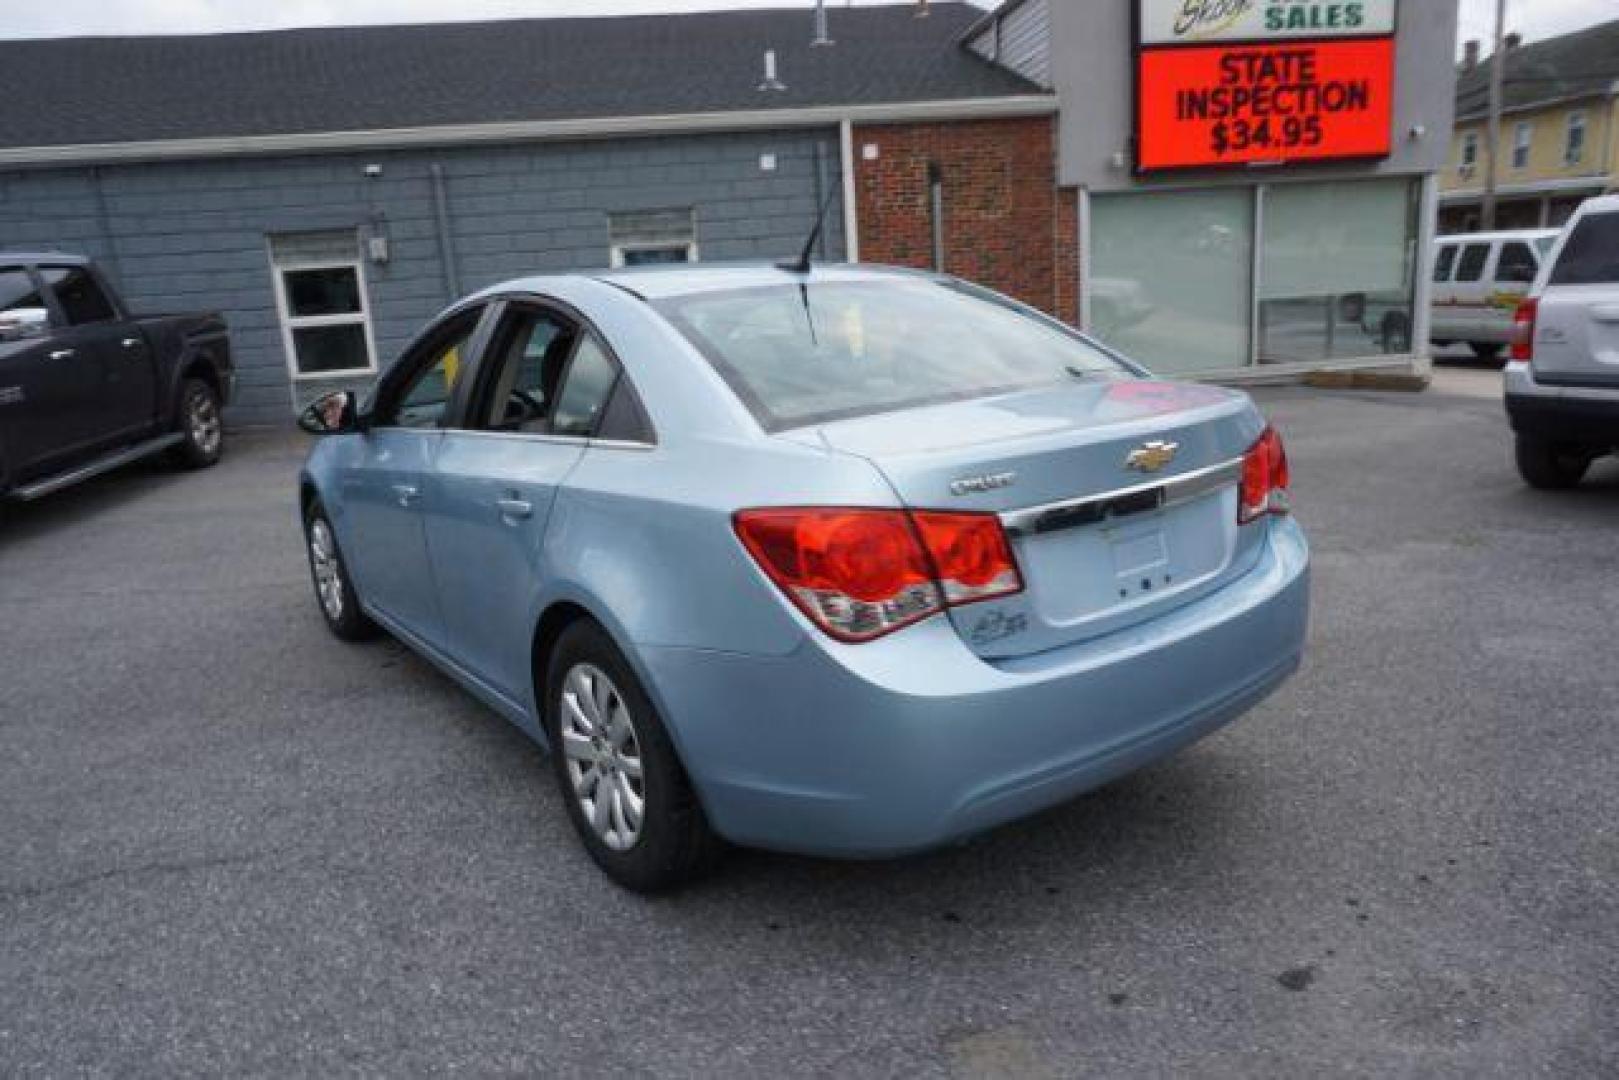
(1559, 132)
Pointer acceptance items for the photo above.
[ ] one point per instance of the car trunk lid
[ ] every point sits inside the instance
(1119, 497)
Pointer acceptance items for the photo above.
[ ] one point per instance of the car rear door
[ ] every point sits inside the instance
(1516, 267)
(1577, 321)
(111, 353)
(497, 475)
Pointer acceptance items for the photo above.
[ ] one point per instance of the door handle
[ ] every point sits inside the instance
(408, 494)
(63, 354)
(132, 343)
(515, 508)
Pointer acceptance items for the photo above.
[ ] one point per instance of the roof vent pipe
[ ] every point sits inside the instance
(771, 82)
(821, 36)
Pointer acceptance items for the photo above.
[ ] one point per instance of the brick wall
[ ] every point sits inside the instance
(1006, 223)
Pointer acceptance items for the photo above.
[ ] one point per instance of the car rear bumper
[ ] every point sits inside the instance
(913, 741)
(1577, 414)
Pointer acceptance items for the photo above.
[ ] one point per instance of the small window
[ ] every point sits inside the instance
(1471, 267)
(1523, 138)
(1444, 262)
(584, 395)
(320, 290)
(1591, 254)
(1517, 265)
(425, 396)
(1574, 141)
(650, 237)
(82, 299)
(1469, 150)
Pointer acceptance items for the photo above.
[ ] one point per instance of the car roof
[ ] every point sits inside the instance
(29, 258)
(1499, 234)
(683, 279)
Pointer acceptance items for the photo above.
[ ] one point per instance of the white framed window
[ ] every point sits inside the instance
(1469, 150)
(649, 237)
(1523, 138)
(320, 294)
(1574, 140)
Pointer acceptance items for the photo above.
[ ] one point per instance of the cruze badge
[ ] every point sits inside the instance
(1151, 456)
(974, 485)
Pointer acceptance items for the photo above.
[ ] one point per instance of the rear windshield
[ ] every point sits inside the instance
(809, 354)
(1591, 255)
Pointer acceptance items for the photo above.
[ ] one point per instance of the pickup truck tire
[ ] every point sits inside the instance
(199, 421)
(1548, 465)
(334, 588)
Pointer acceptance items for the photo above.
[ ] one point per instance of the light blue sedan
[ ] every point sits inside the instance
(848, 561)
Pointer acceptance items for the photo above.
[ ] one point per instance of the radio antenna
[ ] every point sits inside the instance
(801, 265)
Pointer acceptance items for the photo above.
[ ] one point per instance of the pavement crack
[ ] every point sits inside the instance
(150, 869)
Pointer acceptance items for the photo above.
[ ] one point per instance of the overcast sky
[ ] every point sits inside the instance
(38, 18)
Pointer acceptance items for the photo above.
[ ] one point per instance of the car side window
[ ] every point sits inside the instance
(1444, 263)
(530, 353)
(589, 383)
(1517, 264)
(80, 295)
(17, 289)
(424, 397)
(1471, 268)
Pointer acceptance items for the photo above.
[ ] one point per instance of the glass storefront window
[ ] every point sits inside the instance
(1336, 270)
(1170, 277)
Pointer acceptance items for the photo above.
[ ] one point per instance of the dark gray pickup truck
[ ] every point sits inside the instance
(86, 387)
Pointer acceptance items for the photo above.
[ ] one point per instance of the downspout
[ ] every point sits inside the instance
(936, 202)
(446, 244)
(851, 214)
(110, 264)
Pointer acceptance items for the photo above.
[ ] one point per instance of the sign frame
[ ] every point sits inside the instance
(1138, 47)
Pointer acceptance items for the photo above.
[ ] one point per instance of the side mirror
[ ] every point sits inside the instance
(22, 324)
(1352, 307)
(331, 413)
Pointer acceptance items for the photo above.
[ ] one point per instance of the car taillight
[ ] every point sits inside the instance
(1523, 329)
(1264, 479)
(859, 574)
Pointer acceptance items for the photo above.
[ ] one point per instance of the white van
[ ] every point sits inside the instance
(1478, 280)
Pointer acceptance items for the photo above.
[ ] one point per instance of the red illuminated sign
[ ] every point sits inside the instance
(1211, 105)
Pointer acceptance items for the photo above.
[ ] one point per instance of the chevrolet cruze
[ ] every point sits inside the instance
(845, 560)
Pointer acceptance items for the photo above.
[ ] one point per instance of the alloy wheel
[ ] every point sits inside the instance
(202, 421)
(603, 756)
(328, 570)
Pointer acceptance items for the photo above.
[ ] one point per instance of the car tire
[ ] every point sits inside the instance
(334, 589)
(200, 424)
(610, 751)
(1487, 351)
(1550, 466)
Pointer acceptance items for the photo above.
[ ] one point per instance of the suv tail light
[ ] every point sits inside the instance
(1523, 329)
(859, 574)
(1264, 479)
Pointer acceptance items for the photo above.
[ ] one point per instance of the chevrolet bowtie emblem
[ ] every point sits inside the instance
(1151, 456)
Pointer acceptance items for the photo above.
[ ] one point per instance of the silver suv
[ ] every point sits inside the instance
(1562, 384)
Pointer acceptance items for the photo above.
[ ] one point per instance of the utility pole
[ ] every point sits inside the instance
(1492, 134)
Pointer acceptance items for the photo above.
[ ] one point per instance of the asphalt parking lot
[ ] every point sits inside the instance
(234, 845)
